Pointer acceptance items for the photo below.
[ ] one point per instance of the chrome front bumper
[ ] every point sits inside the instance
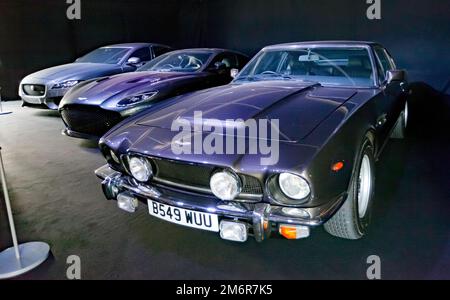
(260, 216)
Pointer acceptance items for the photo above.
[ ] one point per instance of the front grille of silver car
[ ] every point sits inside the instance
(90, 120)
(34, 89)
(196, 177)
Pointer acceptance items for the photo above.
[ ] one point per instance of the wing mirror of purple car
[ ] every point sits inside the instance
(133, 61)
(395, 76)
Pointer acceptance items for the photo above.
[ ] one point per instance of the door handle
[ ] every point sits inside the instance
(381, 120)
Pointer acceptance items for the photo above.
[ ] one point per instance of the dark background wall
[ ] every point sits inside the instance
(37, 34)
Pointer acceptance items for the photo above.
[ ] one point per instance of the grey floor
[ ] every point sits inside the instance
(57, 199)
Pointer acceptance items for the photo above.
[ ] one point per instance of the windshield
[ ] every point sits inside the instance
(178, 62)
(105, 56)
(327, 66)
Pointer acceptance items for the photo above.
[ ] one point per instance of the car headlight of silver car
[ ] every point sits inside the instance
(137, 99)
(66, 84)
(226, 185)
(293, 186)
(140, 168)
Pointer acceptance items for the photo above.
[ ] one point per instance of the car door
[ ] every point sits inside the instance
(388, 103)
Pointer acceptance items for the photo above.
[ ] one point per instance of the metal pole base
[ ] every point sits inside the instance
(32, 255)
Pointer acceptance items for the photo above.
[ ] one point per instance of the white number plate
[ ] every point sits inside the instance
(185, 217)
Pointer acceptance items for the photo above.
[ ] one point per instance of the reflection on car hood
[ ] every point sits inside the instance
(298, 107)
(120, 86)
(75, 71)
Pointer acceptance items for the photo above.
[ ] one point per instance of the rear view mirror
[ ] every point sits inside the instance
(395, 75)
(309, 57)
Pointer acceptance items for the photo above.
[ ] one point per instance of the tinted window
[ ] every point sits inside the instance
(143, 54)
(179, 61)
(242, 61)
(160, 50)
(229, 59)
(385, 61)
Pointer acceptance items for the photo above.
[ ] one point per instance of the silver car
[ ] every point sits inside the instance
(50, 85)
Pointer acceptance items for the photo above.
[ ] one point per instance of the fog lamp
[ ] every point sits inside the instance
(127, 202)
(233, 231)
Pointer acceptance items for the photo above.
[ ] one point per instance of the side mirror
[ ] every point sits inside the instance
(234, 73)
(133, 61)
(396, 75)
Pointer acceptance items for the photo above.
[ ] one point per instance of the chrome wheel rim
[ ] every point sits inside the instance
(364, 187)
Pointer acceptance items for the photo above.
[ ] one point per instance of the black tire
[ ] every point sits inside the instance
(347, 223)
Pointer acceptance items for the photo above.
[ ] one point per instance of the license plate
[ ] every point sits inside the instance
(185, 217)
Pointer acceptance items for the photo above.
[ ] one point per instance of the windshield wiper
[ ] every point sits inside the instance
(278, 75)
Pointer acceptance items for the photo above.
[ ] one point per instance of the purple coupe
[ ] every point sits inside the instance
(93, 107)
(289, 145)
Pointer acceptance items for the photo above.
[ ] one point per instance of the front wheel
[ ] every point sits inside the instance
(353, 218)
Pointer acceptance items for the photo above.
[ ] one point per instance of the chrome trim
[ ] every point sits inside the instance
(242, 197)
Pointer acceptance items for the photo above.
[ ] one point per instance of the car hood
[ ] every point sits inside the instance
(296, 106)
(75, 71)
(299, 107)
(118, 87)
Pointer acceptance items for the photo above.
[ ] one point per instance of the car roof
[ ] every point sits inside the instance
(323, 43)
(135, 45)
(212, 50)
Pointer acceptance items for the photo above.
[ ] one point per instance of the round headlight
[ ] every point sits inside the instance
(140, 168)
(294, 186)
(225, 185)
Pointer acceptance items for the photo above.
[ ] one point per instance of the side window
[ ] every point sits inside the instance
(143, 53)
(157, 50)
(385, 61)
(228, 59)
(242, 61)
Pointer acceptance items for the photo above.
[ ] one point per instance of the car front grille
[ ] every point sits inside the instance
(197, 177)
(89, 120)
(34, 89)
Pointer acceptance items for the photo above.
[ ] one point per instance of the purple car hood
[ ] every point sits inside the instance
(120, 86)
(298, 107)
